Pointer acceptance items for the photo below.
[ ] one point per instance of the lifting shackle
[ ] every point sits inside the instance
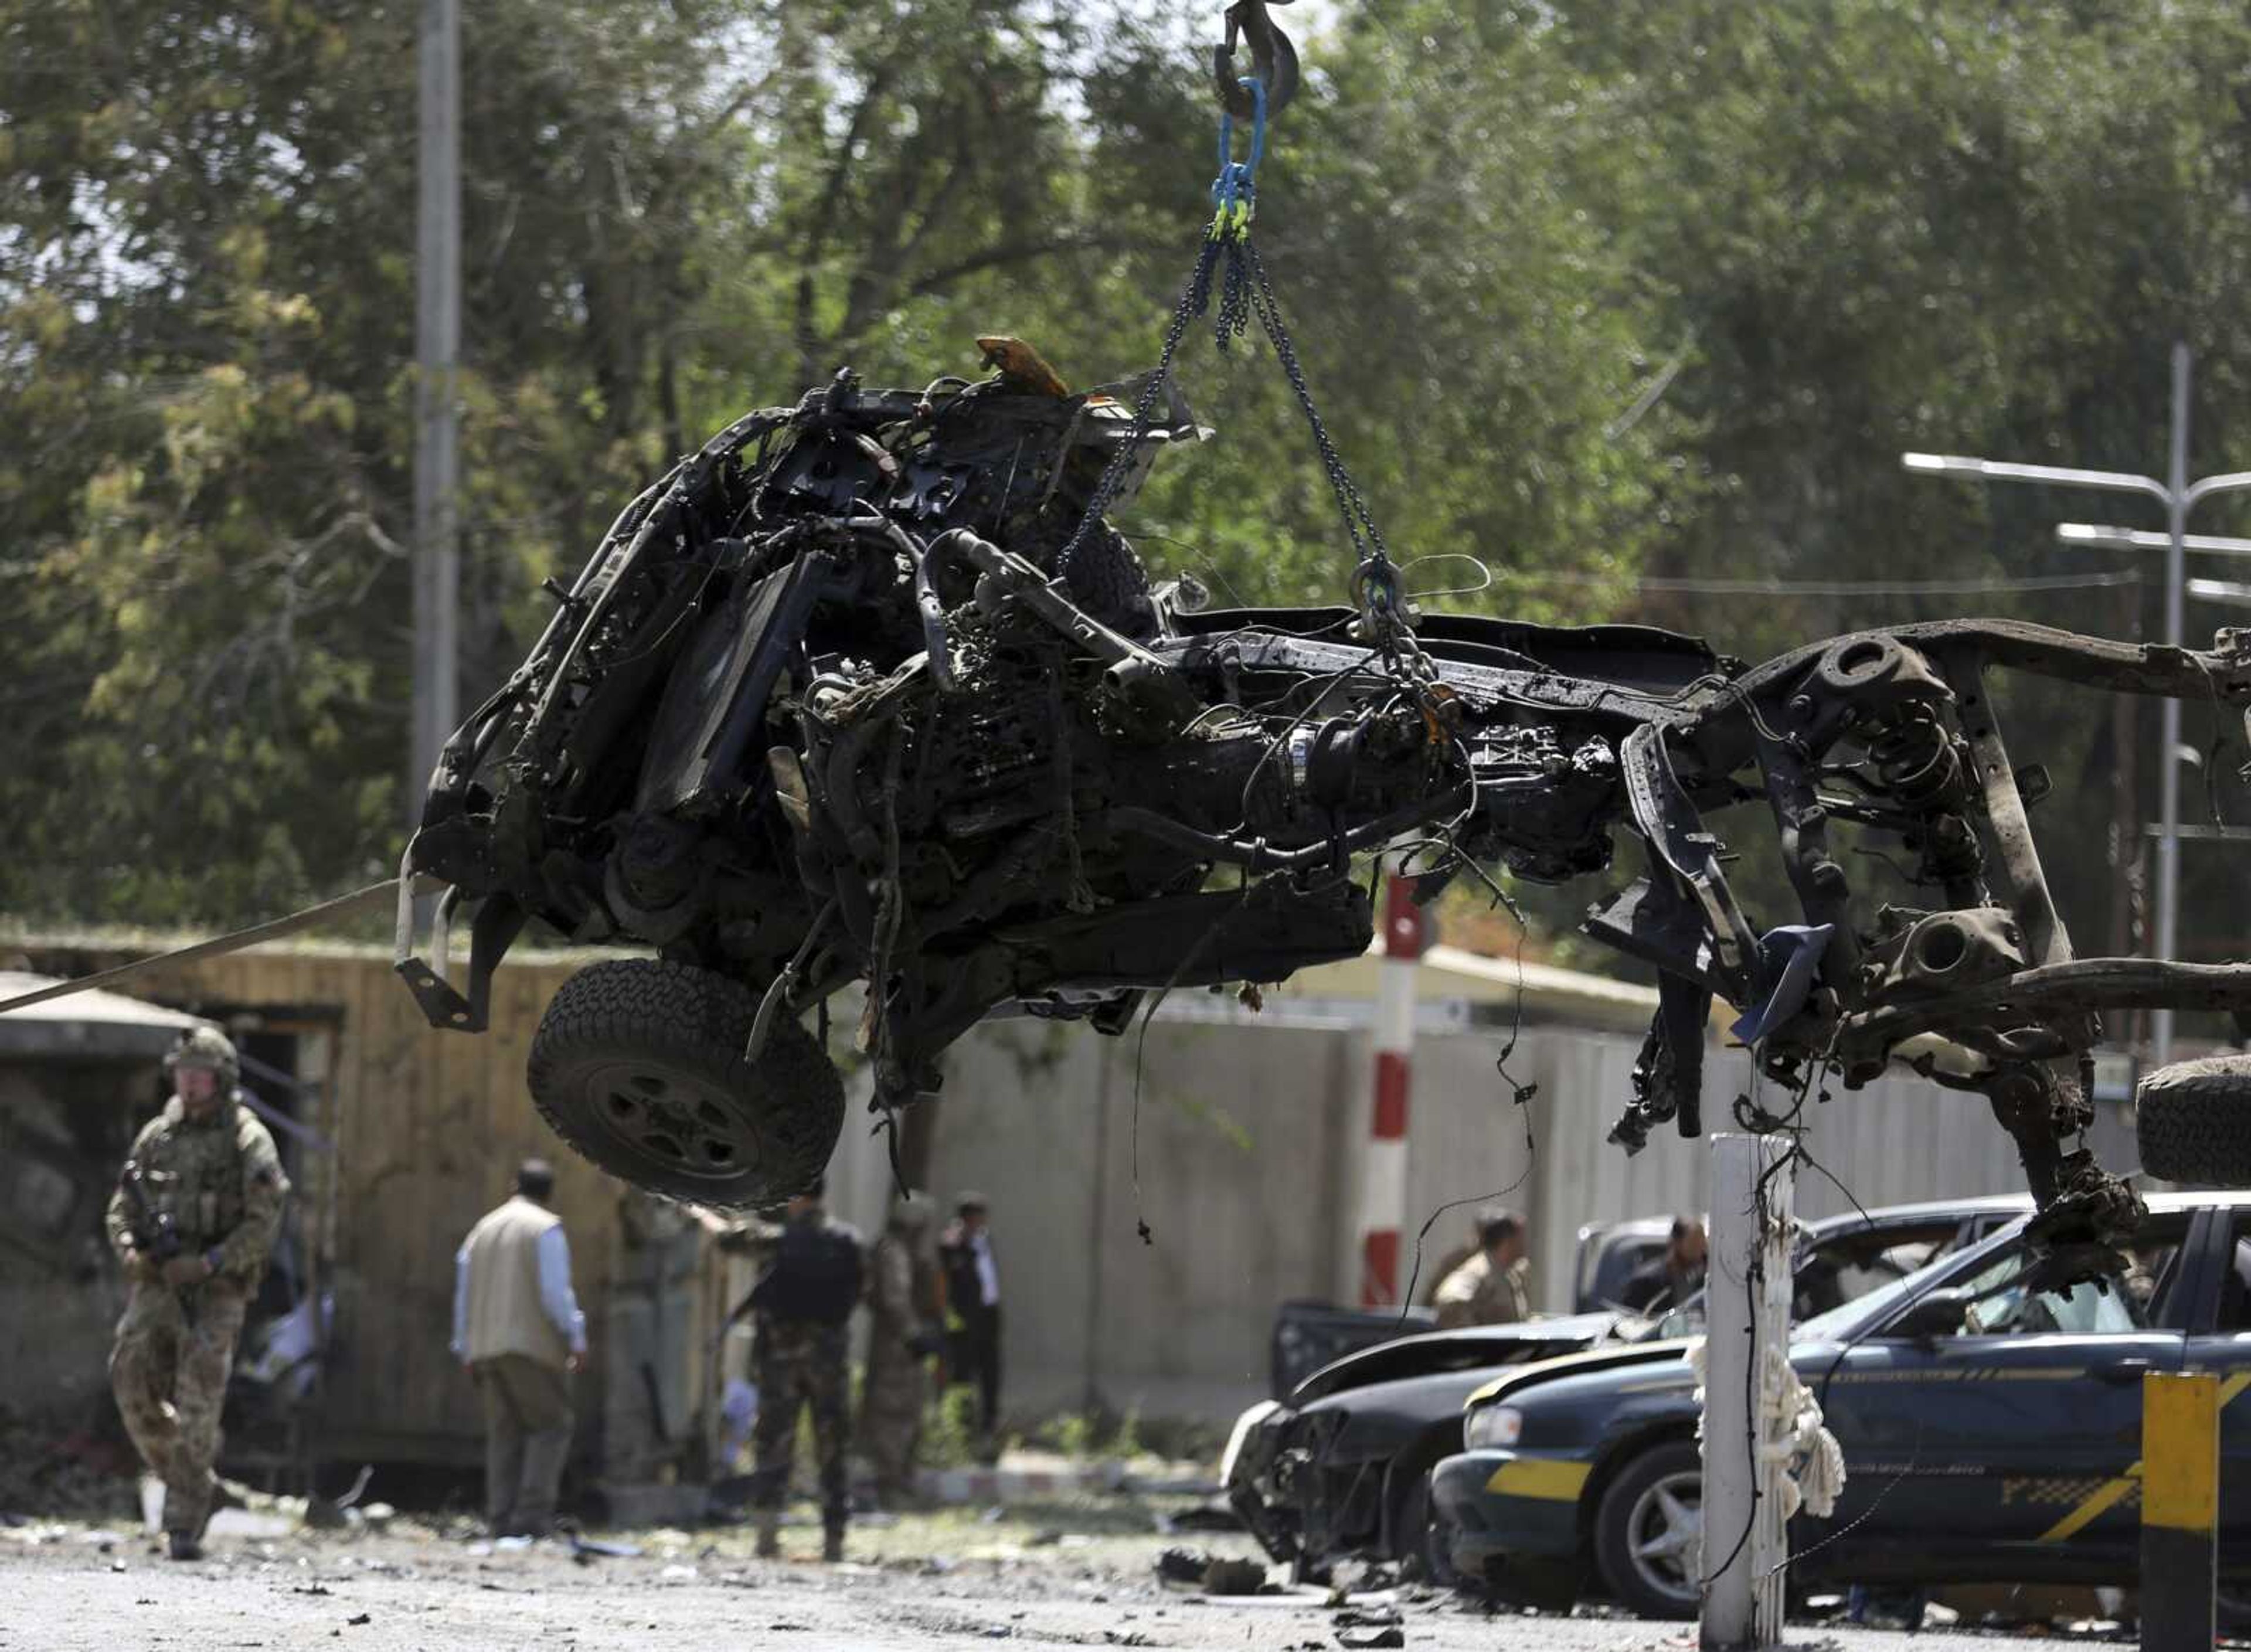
(1273, 61)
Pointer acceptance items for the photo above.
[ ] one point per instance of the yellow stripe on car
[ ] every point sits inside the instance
(2112, 1492)
(1589, 1359)
(1545, 1478)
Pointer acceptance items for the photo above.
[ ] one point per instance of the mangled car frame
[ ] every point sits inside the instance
(848, 696)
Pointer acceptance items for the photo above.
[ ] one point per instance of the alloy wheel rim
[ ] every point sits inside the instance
(1665, 1535)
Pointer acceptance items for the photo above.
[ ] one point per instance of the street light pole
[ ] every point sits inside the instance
(437, 567)
(2179, 496)
(2168, 709)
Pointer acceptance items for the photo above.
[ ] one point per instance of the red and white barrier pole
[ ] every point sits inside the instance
(1383, 1179)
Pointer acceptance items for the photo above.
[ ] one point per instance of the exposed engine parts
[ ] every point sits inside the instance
(821, 710)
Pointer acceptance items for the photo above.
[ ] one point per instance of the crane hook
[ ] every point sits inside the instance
(1273, 61)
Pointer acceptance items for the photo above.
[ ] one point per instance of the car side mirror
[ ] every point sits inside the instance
(1936, 1314)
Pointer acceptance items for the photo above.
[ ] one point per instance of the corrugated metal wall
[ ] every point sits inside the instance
(1240, 1155)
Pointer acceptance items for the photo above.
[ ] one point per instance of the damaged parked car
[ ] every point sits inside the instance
(1342, 1470)
(868, 692)
(1989, 1408)
(1310, 1333)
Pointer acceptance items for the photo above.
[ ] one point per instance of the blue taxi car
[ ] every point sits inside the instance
(1990, 1417)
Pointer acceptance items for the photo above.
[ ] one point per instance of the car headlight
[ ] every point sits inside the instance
(1249, 1420)
(1492, 1426)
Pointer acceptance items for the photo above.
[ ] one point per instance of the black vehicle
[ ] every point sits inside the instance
(1611, 1253)
(1989, 1408)
(1310, 1333)
(1342, 1468)
(867, 689)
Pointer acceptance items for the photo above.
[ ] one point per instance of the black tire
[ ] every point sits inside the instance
(2193, 1120)
(2234, 1608)
(638, 1065)
(1649, 1585)
(1419, 1537)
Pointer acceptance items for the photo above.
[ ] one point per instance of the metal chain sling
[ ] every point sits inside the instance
(1246, 290)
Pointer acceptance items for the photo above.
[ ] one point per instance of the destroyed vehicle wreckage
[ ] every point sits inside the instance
(847, 697)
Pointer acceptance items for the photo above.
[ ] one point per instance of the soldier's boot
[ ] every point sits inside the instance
(185, 1546)
(769, 1533)
(832, 1545)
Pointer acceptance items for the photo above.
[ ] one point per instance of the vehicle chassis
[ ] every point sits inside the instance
(801, 723)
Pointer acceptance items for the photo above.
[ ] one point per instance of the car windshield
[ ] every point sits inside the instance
(1845, 1269)
(1827, 1327)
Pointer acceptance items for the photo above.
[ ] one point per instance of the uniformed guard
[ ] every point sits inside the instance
(905, 1319)
(1494, 1287)
(973, 1309)
(803, 1302)
(192, 1220)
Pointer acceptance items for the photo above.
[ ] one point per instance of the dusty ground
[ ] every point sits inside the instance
(1066, 1574)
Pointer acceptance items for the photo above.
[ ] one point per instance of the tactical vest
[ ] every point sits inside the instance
(196, 1176)
(815, 1275)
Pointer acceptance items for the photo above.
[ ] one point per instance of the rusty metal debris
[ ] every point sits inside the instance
(819, 710)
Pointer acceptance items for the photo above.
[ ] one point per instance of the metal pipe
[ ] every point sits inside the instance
(2169, 711)
(1384, 1162)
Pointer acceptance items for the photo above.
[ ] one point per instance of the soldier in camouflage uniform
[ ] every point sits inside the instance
(208, 1165)
(803, 1303)
(904, 1321)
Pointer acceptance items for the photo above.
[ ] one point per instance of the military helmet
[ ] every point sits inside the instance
(210, 1049)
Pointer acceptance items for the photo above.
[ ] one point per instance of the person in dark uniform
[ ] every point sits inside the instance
(1671, 1278)
(973, 1301)
(803, 1302)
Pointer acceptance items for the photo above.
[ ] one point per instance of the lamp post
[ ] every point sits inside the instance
(2088, 535)
(2178, 496)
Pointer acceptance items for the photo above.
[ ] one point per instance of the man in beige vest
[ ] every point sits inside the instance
(1494, 1287)
(517, 1330)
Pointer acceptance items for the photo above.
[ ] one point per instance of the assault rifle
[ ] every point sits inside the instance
(155, 1234)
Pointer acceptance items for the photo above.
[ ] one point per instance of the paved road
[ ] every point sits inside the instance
(415, 1591)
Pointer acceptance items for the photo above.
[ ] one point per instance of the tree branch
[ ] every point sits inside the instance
(1008, 252)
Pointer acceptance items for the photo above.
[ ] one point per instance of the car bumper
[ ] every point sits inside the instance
(1508, 1505)
(1249, 1470)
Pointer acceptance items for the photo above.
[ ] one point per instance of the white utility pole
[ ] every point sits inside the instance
(437, 425)
(2178, 496)
(1747, 1283)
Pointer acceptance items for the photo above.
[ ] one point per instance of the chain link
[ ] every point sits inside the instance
(1195, 299)
(1246, 290)
(1366, 538)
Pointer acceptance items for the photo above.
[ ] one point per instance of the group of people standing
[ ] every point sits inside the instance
(1489, 1281)
(198, 1206)
(519, 1333)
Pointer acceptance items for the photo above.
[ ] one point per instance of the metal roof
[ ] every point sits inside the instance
(90, 1025)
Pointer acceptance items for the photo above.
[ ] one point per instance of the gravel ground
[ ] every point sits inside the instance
(1064, 1574)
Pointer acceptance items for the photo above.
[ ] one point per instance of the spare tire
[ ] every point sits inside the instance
(638, 1065)
(2193, 1120)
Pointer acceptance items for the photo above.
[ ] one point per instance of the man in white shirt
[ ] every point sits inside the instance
(518, 1332)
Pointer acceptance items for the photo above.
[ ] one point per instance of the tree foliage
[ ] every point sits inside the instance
(1589, 294)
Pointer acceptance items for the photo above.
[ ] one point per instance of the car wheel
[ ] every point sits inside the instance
(1419, 1533)
(638, 1065)
(1648, 1532)
(2193, 1121)
(2234, 1608)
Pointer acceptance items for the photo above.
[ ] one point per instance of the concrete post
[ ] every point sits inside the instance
(1747, 1322)
(1383, 1177)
